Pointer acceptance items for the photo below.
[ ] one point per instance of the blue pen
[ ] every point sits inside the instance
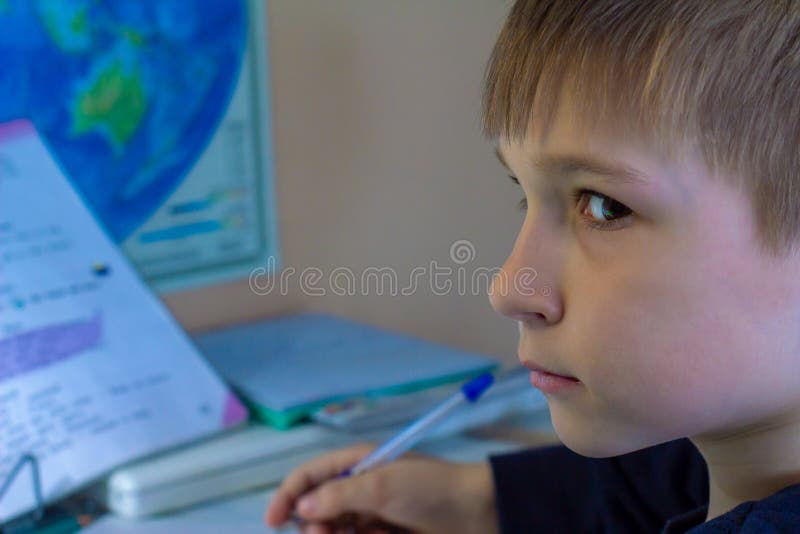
(413, 433)
(405, 440)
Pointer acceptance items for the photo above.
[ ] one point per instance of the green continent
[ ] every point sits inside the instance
(67, 24)
(133, 37)
(115, 101)
(78, 22)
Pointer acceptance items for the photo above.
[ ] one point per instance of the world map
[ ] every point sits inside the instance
(126, 94)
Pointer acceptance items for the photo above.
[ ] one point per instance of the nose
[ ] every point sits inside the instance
(527, 286)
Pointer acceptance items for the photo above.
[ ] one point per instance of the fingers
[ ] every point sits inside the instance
(367, 494)
(310, 475)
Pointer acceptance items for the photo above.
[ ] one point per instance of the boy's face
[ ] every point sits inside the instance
(660, 304)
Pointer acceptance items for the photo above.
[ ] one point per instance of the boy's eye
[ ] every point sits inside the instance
(523, 204)
(597, 210)
(601, 211)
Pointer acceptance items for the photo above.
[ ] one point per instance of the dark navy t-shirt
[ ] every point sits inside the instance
(660, 489)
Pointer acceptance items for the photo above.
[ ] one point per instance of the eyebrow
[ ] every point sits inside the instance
(568, 166)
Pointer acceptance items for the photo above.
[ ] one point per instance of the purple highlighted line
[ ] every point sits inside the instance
(45, 346)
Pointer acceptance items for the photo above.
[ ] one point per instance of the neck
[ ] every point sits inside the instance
(751, 462)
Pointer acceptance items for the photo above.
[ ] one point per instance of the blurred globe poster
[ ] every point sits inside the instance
(158, 112)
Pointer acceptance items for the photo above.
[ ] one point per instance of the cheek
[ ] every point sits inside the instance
(665, 348)
(677, 332)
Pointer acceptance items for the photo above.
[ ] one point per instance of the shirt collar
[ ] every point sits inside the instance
(683, 522)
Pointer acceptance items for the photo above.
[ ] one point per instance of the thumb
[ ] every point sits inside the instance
(367, 494)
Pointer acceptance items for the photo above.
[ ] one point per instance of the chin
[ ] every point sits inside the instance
(596, 438)
(591, 447)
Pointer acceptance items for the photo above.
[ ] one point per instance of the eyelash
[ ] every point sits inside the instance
(577, 198)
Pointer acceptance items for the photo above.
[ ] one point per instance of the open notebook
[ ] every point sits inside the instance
(94, 372)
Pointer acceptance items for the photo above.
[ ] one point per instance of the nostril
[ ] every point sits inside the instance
(528, 317)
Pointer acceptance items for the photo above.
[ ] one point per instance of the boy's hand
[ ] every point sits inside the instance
(413, 493)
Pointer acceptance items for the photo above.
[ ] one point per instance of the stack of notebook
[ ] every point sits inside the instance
(288, 367)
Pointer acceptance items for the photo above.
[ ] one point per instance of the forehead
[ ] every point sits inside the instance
(573, 132)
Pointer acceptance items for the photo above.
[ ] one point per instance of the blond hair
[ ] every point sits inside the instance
(723, 75)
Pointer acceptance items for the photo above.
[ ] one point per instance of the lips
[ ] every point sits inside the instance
(539, 369)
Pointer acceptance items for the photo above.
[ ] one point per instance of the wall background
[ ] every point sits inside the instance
(380, 162)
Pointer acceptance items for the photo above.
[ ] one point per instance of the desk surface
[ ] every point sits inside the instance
(243, 513)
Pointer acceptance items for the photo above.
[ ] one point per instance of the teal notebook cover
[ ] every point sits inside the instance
(287, 367)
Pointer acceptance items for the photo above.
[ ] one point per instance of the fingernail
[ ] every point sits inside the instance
(306, 505)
